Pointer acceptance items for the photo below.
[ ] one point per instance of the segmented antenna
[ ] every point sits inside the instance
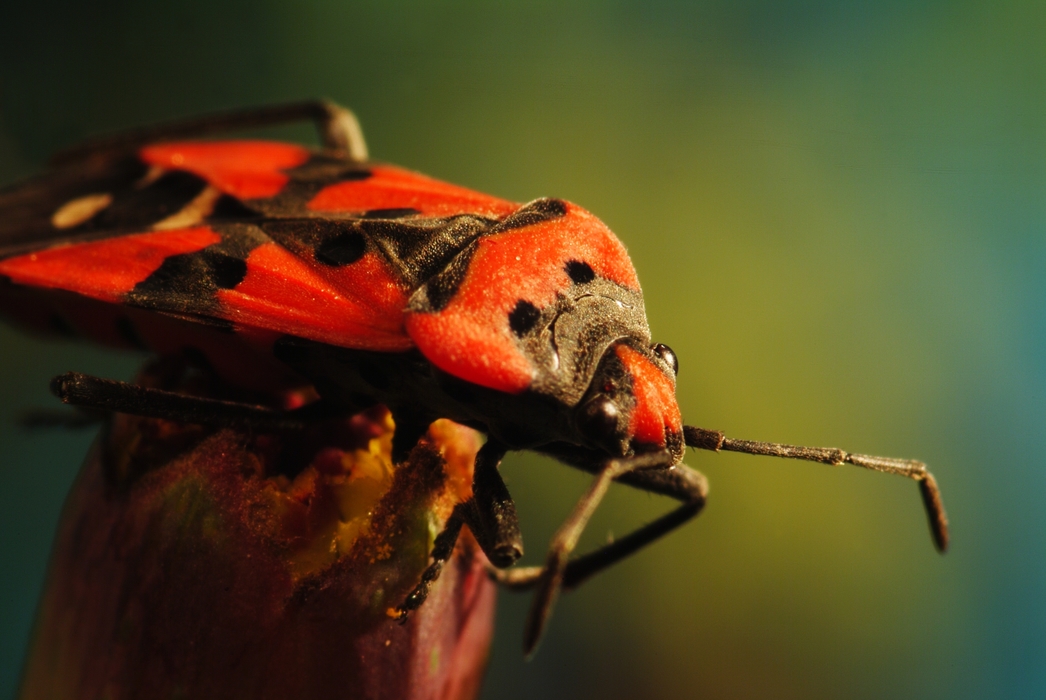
(716, 441)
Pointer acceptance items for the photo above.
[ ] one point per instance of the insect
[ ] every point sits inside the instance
(278, 264)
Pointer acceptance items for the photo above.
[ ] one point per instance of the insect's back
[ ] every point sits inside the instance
(204, 242)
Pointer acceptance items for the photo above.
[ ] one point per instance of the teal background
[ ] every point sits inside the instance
(838, 211)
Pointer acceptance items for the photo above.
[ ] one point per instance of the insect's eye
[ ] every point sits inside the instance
(667, 356)
(598, 419)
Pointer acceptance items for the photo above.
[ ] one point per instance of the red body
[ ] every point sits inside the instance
(232, 247)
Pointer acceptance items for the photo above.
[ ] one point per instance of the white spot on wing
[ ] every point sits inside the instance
(76, 211)
(154, 173)
(192, 213)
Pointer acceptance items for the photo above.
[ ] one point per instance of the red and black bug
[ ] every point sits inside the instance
(277, 264)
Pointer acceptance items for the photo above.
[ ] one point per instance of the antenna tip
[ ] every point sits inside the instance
(931, 495)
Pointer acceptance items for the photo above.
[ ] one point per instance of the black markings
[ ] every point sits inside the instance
(228, 207)
(187, 283)
(227, 271)
(399, 213)
(522, 318)
(141, 208)
(441, 288)
(579, 271)
(343, 248)
(306, 180)
(353, 175)
(323, 169)
(534, 213)
(443, 256)
(416, 249)
(421, 248)
(28, 207)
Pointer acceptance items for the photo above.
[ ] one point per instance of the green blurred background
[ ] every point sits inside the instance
(838, 211)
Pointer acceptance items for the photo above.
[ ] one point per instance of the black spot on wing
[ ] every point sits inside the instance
(419, 250)
(533, 213)
(334, 242)
(580, 272)
(522, 318)
(187, 283)
(343, 248)
(227, 271)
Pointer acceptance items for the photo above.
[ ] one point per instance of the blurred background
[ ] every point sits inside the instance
(838, 212)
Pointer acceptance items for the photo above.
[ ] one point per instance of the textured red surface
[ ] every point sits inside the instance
(656, 411)
(471, 338)
(105, 269)
(242, 169)
(355, 306)
(395, 188)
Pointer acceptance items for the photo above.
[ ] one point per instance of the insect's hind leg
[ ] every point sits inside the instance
(491, 516)
(337, 126)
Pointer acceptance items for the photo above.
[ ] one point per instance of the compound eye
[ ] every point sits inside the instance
(667, 356)
(598, 419)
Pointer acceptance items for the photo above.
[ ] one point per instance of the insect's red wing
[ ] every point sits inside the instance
(180, 228)
(356, 306)
(391, 188)
(241, 169)
(104, 269)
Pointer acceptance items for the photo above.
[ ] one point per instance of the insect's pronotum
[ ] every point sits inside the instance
(276, 263)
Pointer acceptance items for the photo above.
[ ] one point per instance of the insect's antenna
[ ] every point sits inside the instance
(913, 469)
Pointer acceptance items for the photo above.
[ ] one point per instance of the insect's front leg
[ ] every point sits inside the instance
(680, 482)
(650, 472)
(490, 515)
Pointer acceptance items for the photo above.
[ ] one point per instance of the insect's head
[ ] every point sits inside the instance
(630, 406)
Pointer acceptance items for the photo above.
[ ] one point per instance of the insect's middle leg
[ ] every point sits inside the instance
(490, 515)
